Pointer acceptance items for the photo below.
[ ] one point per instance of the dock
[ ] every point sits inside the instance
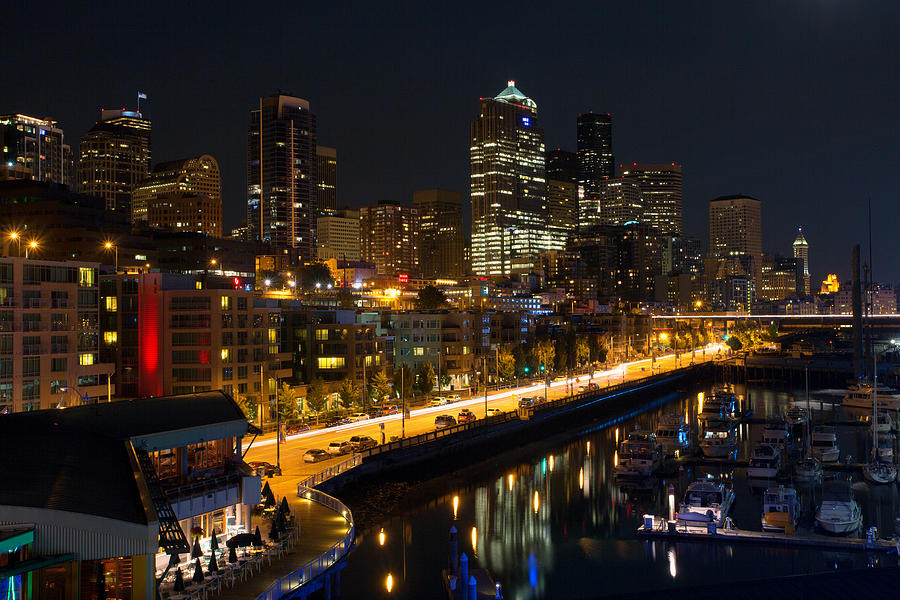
(699, 533)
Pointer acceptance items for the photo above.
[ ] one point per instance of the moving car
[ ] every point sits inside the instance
(442, 421)
(526, 402)
(338, 448)
(360, 416)
(264, 469)
(296, 428)
(388, 410)
(465, 415)
(315, 455)
(493, 412)
(362, 442)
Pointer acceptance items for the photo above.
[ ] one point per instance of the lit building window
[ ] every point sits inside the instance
(331, 362)
(110, 337)
(112, 303)
(86, 359)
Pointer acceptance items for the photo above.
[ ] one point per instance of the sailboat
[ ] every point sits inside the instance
(808, 468)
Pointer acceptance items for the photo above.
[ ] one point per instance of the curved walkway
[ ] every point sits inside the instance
(320, 529)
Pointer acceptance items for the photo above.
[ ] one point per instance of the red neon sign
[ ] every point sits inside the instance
(403, 277)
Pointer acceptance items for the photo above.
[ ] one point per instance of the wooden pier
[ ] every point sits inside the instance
(693, 532)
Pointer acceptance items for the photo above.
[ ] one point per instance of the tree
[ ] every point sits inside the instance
(582, 351)
(316, 396)
(425, 378)
(543, 353)
(248, 406)
(288, 402)
(734, 343)
(312, 273)
(379, 387)
(349, 392)
(345, 298)
(404, 376)
(444, 380)
(431, 298)
(507, 364)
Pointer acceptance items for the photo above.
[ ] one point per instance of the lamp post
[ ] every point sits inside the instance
(32, 245)
(110, 246)
(15, 237)
(84, 399)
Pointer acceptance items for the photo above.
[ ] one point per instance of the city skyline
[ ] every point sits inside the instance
(722, 128)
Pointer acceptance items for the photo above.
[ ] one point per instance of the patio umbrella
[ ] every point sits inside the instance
(214, 541)
(232, 555)
(268, 497)
(285, 509)
(258, 536)
(196, 552)
(213, 565)
(241, 540)
(198, 572)
(179, 581)
(274, 534)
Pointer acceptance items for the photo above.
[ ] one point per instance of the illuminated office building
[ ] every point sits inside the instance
(114, 156)
(660, 187)
(735, 231)
(508, 187)
(33, 148)
(596, 162)
(389, 236)
(281, 174)
(181, 195)
(338, 236)
(801, 253)
(326, 180)
(620, 202)
(440, 214)
(561, 165)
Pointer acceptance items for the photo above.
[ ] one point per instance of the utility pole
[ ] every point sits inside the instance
(402, 406)
(484, 374)
(277, 429)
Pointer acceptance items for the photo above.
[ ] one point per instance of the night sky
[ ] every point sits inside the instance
(795, 103)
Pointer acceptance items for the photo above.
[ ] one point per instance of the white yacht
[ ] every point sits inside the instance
(720, 405)
(824, 444)
(775, 433)
(885, 446)
(862, 396)
(839, 512)
(765, 460)
(781, 509)
(883, 423)
(639, 455)
(808, 469)
(705, 501)
(880, 472)
(719, 439)
(673, 434)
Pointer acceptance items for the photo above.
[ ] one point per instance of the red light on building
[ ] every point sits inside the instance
(237, 283)
(403, 277)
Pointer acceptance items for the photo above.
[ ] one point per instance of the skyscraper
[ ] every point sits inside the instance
(326, 179)
(561, 165)
(801, 253)
(33, 148)
(181, 195)
(441, 241)
(507, 184)
(619, 202)
(661, 194)
(114, 156)
(281, 174)
(735, 236)
(562, 203)
(596, 161)
(337, 236)
(389, 238)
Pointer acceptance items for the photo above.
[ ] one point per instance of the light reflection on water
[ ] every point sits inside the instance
(557, 525)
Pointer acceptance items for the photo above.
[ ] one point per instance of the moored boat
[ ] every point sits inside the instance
(640, 453)
(824, 444)
(862, 395)
(808, 469)
(673, 434)
(781, 509)
(706, 501)
(765, 460)
(839, 512)
(719, 439)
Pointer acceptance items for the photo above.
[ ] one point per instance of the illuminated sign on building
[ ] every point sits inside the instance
(403, 278)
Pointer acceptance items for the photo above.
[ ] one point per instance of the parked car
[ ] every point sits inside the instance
(338, 448)
(455, 398)
(335, 421)
(442, 421)
(439, 401)
(296, 428)
(525, 402)
(315, 455)
(360, 416)
(493, 412)
(465, 415)
(362, 442)
(388, 410)
(535, 400)
(593, 386)
(264, 469)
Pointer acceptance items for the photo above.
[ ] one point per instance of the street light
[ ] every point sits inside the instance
(14, 237)
(32, 245)
(108, 245)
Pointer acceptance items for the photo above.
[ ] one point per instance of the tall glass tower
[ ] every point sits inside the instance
(596, 162)
(801, 253)
(508, 186)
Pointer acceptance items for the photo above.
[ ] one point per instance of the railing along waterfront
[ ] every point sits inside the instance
(317, 566)
(330, 472)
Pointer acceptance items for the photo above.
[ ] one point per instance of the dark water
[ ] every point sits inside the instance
(556, 525)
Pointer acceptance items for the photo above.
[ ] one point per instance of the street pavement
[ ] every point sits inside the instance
(422, 420)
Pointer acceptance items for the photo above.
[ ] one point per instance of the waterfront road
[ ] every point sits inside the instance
(422, 420)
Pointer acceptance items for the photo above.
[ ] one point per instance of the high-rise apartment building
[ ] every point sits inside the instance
(620, 202)
(561, 165)
(326, 180)
(801, 253)
(735, 229)
(281, 174)
(49, 342)
(114, 156)
(440, 225)
(181, 195)
(508, 186)
(338, 236)
(660, 187)
(596, 161)
(562, 204)
(33, 148)
(389, 237)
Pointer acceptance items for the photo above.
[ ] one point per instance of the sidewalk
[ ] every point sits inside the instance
(320, 529)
